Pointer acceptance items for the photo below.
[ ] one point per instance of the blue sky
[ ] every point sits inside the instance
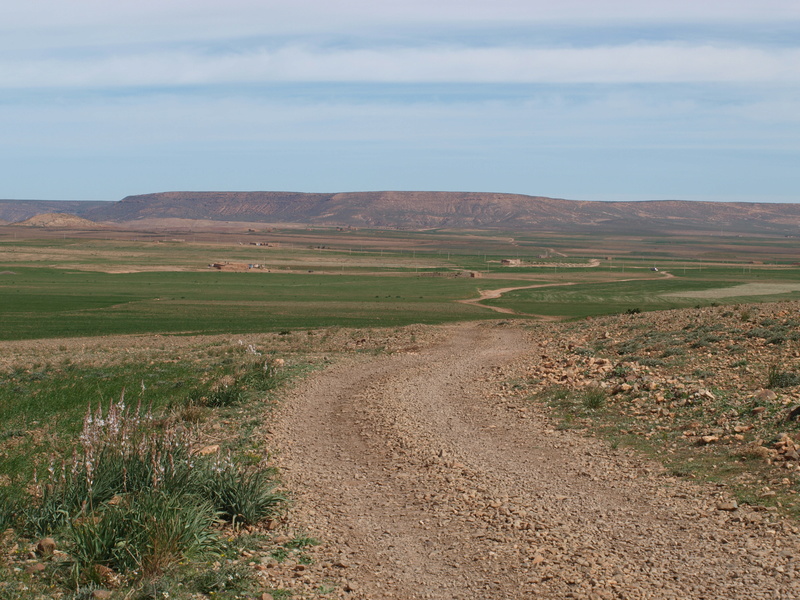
(581, 99)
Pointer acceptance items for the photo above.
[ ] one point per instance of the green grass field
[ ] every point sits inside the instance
(65, 287)
(591, 299)
(45, 302)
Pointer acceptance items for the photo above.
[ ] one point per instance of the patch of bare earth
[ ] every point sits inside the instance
(424, 479)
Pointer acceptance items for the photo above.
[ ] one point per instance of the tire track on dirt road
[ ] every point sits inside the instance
(425, 481)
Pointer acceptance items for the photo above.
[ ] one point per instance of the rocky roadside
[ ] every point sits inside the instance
(712, 384)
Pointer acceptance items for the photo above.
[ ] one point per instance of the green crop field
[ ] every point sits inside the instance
(592, 299)
(44, 302)
(53, 286)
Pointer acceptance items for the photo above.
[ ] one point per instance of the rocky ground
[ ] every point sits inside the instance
(448, 472)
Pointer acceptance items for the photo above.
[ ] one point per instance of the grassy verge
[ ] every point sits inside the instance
(147, 480)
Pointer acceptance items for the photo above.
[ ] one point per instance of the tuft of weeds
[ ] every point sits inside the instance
(673, 351)
(620, 370)
(10, 508)
(651, 362)
(225, 394)
(593, 398)
(133, 498)
(302, 541)
(243, 498)
(146, 533)
(228, 577)
(777, 377)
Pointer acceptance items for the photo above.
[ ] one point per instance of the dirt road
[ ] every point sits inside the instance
(424, 481)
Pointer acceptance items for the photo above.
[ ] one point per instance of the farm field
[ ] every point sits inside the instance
(63, 284)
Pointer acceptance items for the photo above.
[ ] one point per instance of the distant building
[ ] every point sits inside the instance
(511, 262)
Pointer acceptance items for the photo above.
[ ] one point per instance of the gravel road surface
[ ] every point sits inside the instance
(423, 481)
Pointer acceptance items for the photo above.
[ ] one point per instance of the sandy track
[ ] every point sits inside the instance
(426, 482)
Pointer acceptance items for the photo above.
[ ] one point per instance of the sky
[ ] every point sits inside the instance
(578, 99)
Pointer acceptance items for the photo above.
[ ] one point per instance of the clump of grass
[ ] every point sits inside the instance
(243, 498)
(651, 362)
(704, 373)
(133, 497)
(582, 351)
(10, 506)
(620, 370)
(118, 453)
(232, 389)
(593, 397)
(225, 394)
(145, 533)
(673, 351)
(779, 378)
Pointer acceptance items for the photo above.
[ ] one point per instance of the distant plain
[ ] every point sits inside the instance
(67, 283)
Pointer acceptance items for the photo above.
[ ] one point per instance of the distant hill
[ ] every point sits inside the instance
(58, 220)
(433, 210)
(14, 211)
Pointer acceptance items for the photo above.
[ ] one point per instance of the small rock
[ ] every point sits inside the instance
(266, 596)
(709, 439)
(765, 396)
(729, 505)
(207, 450)
(34, 568)
(349, 586)
(46, 546)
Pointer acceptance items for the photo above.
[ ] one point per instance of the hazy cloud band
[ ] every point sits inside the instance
(633, 63)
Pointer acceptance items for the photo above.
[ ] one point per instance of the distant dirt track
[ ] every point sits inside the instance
(498, 293)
